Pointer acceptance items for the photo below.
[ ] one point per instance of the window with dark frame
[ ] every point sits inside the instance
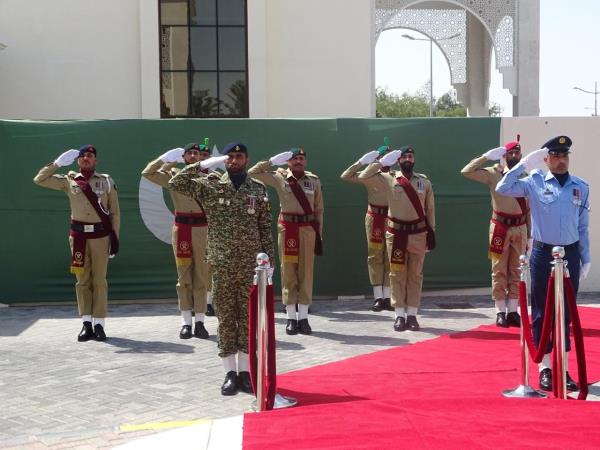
(203, 58)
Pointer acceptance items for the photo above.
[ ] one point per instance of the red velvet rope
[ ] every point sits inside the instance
(537, 353)
(578, 340)
(271, 370)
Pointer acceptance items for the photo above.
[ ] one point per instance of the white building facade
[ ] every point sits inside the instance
(87, 59)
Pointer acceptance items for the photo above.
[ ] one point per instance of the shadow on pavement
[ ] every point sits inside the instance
(131, 346)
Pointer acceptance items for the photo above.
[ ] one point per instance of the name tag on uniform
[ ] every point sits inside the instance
(420, 187)
(548, 191)
(308, 187)
(576, 197)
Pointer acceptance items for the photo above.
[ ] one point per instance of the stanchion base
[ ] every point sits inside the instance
(280, 402)
(524, 392)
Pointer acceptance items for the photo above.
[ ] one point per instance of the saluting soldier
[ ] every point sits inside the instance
(560, 205)
(410, 232)
(239, 227)
(378, 263)
(189, 238)
(510, 228)
(94, 234)
(299, 226)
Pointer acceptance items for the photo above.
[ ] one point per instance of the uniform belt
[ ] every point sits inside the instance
(543, 246)
(395, 224)
(509, 221)
(87, 228)
(190, 220)
(379, 210)
(298, 218)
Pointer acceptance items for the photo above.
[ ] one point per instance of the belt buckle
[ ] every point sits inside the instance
(88, 228)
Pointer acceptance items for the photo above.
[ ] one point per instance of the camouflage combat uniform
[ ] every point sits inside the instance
(239, 227)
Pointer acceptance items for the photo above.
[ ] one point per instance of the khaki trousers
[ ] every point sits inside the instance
(194, 280)
(297, 278)
(505, 267)
(378, 262)
(91, 287)
(406, 285)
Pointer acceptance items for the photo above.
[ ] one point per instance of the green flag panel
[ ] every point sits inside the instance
(35, 255)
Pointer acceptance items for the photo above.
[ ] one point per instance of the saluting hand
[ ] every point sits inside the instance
(281, 158)
(368, 157)
(213, 161)
(495, 154)
(390, 159)
(67, 158)
(175, 155)
(534, 159)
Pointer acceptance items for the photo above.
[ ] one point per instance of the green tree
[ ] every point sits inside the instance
(392, 105)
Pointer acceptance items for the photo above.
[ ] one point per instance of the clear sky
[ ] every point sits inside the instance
(569, 56)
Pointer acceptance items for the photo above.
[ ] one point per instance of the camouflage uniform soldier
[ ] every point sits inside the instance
(299, 230)
(377, 259)
(239, 227)
(510, 227)
(95, 220)
(189, 238)
(410, 232)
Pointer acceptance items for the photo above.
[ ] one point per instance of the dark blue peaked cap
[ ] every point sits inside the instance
(235, 147)
(86, 148)
(559, 144)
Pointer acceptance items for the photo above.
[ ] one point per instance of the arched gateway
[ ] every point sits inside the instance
(465, 31)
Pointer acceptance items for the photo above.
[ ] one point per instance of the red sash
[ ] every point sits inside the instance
(184, 222)
(80, 238)
(501, 225)
(377, 235)
(79, 243)
(301, 197)
(414, 199)
(291, 238)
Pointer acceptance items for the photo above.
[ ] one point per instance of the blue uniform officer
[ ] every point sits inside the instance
(559, 204)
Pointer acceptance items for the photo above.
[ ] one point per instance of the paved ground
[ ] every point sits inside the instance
(58, 393)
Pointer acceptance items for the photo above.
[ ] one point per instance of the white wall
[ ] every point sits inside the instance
(313, 58)
(584, 163)
(71, 59)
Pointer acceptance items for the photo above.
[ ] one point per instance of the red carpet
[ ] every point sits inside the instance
(441, 393)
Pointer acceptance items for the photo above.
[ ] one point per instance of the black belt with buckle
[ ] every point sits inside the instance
(87, 228)
(543, 246)
(190, 220)
(510, 221)
(379, 210)
(298, 218)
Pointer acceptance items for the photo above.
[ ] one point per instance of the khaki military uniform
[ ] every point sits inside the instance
(406, 283)
(91, 287)
(239, 227)
(377, 260)
(505, 267)
(296, 277)
(194, 279)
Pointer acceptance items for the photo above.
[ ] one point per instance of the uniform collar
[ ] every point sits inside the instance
(289, 174)
(80, 175)
(550, 176)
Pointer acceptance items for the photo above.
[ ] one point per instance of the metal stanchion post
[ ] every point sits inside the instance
(558, 254)
(524, 389)
(262, 279)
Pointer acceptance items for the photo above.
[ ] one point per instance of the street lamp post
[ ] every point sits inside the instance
(408, 36)
(595, 92)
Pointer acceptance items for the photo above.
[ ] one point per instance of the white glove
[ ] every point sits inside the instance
(175, 155)
(213, 161)
(529, 246)
(368, 157)
(585, 270)
(534, 159)
(67, 158)
(281, 158)
(495, 154)
(390, 158)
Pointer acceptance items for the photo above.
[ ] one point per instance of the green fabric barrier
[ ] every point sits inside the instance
(35, 256)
